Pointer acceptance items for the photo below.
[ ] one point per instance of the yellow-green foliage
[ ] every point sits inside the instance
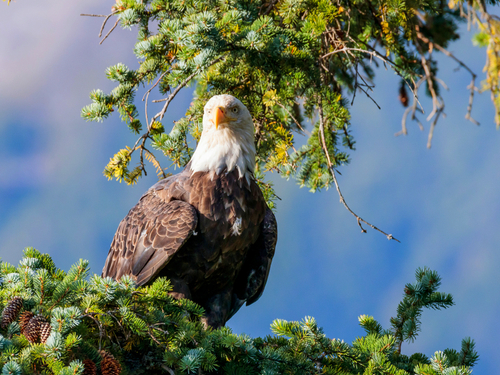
(283, 60)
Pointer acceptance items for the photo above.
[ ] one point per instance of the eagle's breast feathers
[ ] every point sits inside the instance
(208, 228)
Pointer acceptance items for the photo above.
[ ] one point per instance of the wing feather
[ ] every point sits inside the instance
(148, 236)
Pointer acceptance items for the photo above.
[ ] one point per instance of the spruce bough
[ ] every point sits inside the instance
(97, 323)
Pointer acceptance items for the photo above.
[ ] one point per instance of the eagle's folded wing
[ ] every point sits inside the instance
(255, 270)
(148, 236)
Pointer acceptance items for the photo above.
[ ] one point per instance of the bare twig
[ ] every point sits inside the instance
(355, 84)
(433, 125)
(411, 110)
(385, 60)
(471, 100)
(368, 95)
(172, 96)
(443, 83)
(106, 20)
(110, 31)
(403, 130)
(156, 84)
(472, 85)
(93, 15)
(436, 104)
(332, 171)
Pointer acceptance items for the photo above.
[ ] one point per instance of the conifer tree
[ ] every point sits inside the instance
(101, 326)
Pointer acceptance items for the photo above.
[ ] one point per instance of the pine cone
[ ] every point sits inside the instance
(11, 310)
(45, 329)
(33, 329)
(109, 365)
(24, 319)
(89, 367)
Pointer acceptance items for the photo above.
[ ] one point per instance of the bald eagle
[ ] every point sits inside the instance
(207, 229)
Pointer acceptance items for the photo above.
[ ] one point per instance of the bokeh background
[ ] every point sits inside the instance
(443, 203)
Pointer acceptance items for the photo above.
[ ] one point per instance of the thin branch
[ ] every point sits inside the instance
(355, 84)
(110, 31)
(173, 95)
(93, 15)
(411, 110)
(366, 93)
(403, 123)
(106, 20)
(429, 76)
(156, 84)
(471, 100)
(433, 125)
(472, 85)
(332, 171)
(443, 83)
(293, 118)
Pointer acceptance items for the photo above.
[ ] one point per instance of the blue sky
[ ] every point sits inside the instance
(442, 203)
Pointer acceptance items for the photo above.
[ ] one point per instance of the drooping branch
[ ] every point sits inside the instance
(332, 171)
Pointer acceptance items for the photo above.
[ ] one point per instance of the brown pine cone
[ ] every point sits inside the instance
(11, 310)
(89, 367)
(45, 329)
(24, 319)
(33, 329)
(109, 365)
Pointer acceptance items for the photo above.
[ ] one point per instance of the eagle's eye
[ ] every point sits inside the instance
(234, 109)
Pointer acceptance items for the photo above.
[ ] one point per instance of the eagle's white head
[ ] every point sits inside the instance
(227, 140)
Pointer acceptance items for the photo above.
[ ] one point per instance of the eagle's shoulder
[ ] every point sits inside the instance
(153, 230)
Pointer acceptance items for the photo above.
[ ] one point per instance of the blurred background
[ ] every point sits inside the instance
(442, 204)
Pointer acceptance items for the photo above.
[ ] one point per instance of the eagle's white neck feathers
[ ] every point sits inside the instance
(229, 146)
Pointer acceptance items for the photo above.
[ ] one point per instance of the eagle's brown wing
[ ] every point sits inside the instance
(148, 236)
(255, 270)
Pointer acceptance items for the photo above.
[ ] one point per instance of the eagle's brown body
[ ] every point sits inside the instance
(208, 229)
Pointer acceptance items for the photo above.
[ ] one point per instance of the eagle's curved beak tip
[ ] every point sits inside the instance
(219, 116)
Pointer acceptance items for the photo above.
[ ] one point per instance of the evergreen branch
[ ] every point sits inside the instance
(332, 171)
(143, 330)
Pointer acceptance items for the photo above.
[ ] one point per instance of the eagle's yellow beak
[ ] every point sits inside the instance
(219, 116)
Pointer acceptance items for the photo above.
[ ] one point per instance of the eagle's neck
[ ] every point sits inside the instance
(225, 149)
